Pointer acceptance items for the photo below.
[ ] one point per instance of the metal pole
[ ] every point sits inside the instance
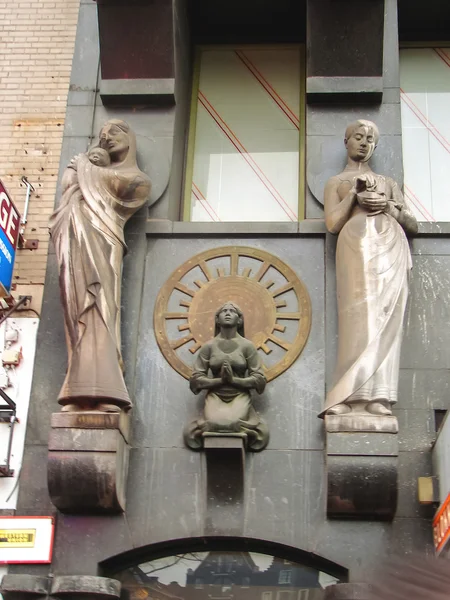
(30, 189)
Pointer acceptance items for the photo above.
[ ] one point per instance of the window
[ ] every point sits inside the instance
(246, 127)
(425, 101)
(284, 577)
(223, 574)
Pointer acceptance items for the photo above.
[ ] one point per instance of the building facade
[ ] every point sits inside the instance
(239, 111)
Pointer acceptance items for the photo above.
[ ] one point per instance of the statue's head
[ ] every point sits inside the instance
(229, 315)
(361, 139)
(115, 138)
(99, 157)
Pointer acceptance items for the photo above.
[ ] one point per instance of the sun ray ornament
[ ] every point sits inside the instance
(274, 300)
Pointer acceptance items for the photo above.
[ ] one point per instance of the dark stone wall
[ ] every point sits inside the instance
(285, 488)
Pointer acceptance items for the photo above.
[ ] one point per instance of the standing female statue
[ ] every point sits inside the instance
(101, 190)
(236, 370)
(372, 266)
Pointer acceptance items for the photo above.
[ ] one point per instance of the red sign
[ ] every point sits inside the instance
(9, 217)
(441, 525)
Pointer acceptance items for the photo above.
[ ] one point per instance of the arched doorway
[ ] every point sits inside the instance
(222, 569)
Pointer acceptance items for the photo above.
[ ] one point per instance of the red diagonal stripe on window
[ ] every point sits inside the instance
(268, 88)
(418, 204)
(442, 55)
(416, 207)
(246, 155)
(425, 121)
(202, 199)
(204, 206)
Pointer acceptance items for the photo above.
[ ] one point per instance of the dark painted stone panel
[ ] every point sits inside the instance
(424, 389)
(50, 362)
(81, 542)
(426, 343)
(285, 499)
(331, 24)
(167, 495)
(332, 120)
(289, 400)
(416, 429)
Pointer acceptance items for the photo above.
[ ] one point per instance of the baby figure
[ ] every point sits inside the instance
(99, 157)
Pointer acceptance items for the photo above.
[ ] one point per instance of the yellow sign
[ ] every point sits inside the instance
(17, 538)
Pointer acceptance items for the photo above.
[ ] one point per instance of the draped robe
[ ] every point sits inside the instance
(87, 231)
(373, 261)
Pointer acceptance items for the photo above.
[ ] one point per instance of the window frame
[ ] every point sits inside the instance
(426, 227)
(185, 213)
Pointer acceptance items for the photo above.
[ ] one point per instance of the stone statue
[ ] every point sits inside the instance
(236, 370)
(101, 190)
(372, 267)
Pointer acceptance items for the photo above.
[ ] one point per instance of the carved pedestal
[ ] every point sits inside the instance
(88, 461)
(362, 457)
(225, 461)
(79, 587)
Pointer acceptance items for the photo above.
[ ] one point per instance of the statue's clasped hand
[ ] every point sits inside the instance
(226, 373)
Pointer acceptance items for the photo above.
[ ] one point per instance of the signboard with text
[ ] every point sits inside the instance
(26, 540)
(9, 236)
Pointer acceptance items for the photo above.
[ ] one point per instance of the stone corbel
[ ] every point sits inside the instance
(88, 461)
(362, 465)
(138, 68)
(62, 587)
(341, 64)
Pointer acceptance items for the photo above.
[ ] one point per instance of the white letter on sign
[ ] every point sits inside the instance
(12, 224)
(4, 212)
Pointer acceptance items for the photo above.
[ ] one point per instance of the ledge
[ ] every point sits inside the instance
(438, 229)
(162, 228)
(123, 92)
(344, 89)
(313, 227)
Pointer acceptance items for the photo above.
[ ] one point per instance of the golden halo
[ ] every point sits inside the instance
(274, 301)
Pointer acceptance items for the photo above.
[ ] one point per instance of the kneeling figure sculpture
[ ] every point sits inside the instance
(236, 370)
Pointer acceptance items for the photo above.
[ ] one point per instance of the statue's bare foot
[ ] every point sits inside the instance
(109, 408)
(378, 408)
(339, 409)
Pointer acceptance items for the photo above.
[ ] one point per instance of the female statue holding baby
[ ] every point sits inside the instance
(101, 191)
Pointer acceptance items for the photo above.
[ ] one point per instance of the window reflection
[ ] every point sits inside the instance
(223, 576)
(425, 97)
(247, 135)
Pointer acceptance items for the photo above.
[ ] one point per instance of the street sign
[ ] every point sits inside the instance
(26, 540)
(9, 236)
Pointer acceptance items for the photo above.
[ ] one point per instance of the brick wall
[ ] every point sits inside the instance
(36, 48)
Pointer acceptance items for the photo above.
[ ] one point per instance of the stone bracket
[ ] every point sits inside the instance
(68, 587)
(225, 462)
(362, 471)
(88, 461)
(344, 89)
(123, 92)
(342, 65)
(137, 68)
